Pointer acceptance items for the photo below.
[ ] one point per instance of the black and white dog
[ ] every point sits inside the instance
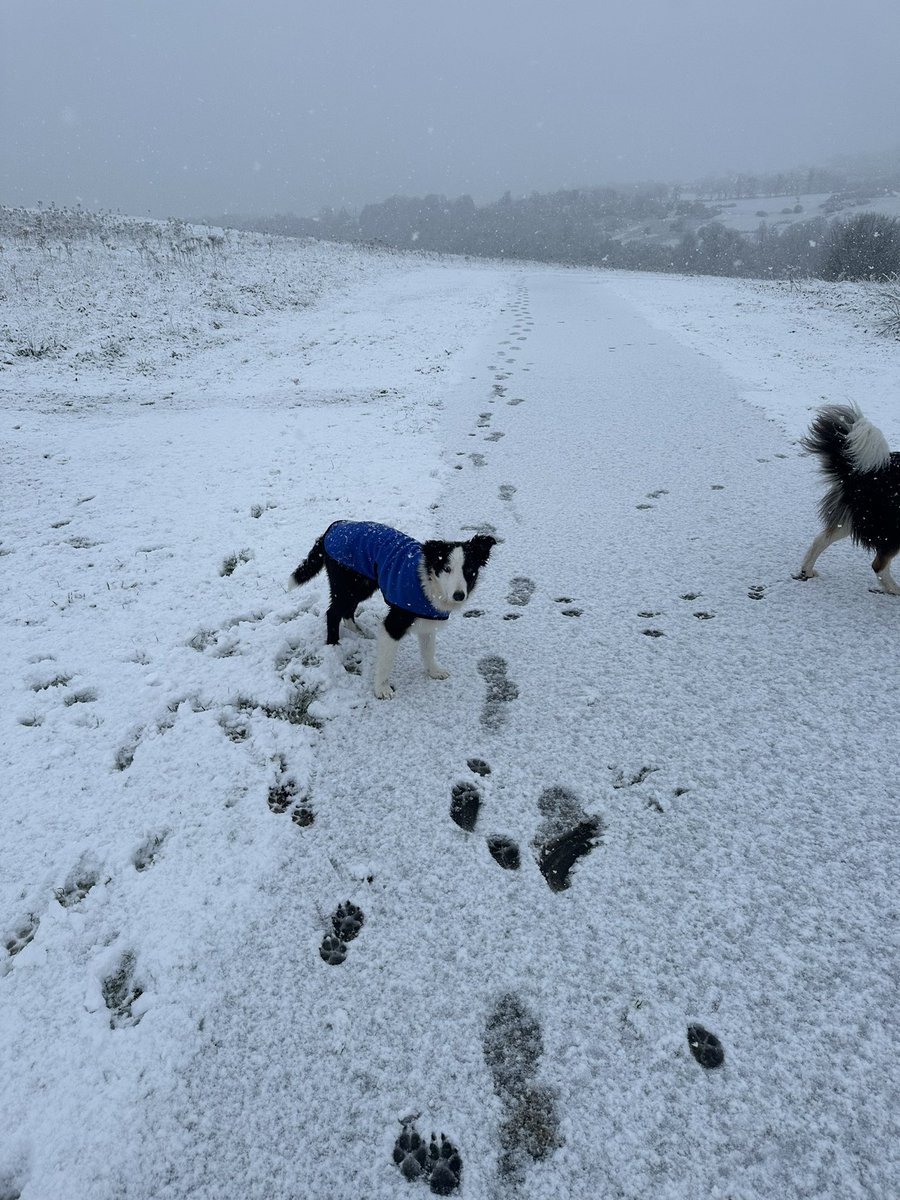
(863, 500)
(422, 582)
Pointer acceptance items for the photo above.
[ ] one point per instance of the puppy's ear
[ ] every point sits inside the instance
(480, 547)
(434, 554)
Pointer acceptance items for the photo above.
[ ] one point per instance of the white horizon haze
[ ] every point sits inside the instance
(197, 108)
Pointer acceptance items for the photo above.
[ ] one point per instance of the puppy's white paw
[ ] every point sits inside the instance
(384, 691)
(438, 672)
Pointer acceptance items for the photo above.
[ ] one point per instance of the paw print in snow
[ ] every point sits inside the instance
(346, 922)
(440, 1163)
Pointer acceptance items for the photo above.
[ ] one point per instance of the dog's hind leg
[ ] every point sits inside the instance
(332, 626)
(825, 539)
(390, 631)
(426, 631)
(348, 590)
(881, 565)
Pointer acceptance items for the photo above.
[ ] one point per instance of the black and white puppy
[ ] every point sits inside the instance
(422, 582)
(863, 499)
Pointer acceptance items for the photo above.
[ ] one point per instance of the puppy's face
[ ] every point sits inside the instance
(452, 568)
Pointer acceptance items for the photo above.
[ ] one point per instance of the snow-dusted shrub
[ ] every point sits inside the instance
(888, 308)
(866, 246)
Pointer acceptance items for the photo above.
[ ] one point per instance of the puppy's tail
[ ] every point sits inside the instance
(311, 565)
(846, 443)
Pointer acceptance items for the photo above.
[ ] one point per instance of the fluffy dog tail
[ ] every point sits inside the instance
(311, 565)
(846, 442)
(847, 445)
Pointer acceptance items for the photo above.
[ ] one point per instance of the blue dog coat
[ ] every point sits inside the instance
(386, 555)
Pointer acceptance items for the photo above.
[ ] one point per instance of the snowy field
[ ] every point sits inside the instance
(746, 214)
(196, 790)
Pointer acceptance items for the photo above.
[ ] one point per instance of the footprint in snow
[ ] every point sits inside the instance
(51, 681)
(438, 1163)
(568, 612)
(705, 1047)
(504, 851)
(346, 922)
(465, 806)
(280, 797)
(283, 794)
(500, 691)
(632, 780)
(120, 991)
(21, 935)
(513, 1046)
(567, 834)
(148, 851)
(78, 884)
(521, 589)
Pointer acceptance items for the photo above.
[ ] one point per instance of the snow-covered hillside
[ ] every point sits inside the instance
(248, 948)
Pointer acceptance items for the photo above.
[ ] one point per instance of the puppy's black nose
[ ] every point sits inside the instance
(459, 595)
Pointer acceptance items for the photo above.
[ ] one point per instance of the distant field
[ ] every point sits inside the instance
(778, 212)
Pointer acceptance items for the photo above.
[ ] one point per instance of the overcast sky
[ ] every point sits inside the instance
(202, 107)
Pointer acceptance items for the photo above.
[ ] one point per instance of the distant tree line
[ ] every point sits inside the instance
(745, 185)
(864, 246)
(651, 228)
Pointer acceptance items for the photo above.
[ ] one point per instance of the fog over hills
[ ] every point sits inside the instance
(180, 109)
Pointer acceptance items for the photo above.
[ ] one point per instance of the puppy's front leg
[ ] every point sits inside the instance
(390, 631)
(426, 631)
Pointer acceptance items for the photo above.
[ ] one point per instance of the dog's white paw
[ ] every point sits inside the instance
(438, 672)
(384, 691)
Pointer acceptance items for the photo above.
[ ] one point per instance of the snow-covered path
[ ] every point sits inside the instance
(638, 665)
